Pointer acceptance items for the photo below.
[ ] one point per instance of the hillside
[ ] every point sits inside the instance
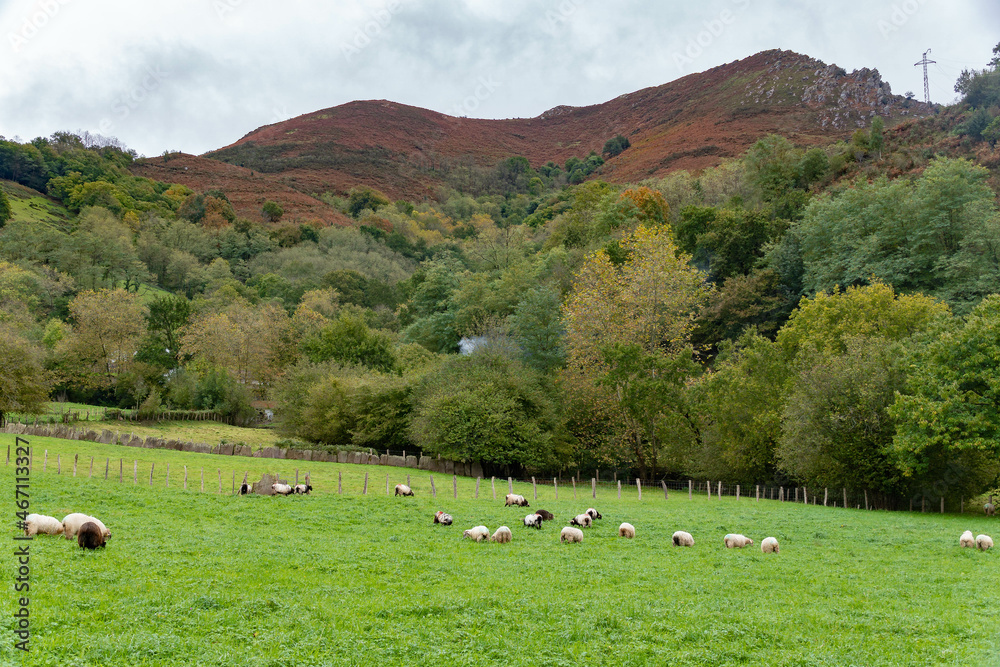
(690, 123)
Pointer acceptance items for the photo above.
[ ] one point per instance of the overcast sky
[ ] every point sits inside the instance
(195, 75)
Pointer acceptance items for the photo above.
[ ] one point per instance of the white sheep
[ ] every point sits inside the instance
(442, 518)
(967, 540)
(571, 535)
(516, 500)
(73, 522)
(682, 539)
(502, 536)
(303, 488)
(594, 514)
(989, 509)
(281, 489)
(626, 530)
(403, 490)
(984, 542)
(533, 521)
(769, 545)
(583, 520)
(479, 533)
(39, 524)
(737, 541)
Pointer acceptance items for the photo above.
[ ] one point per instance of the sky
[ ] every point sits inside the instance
(196, 75)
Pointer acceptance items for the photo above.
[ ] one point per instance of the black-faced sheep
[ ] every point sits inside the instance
(246, 489)
(967, 540)
(479, 533)
(571, 535)
(626, 530)
(73, 522)
(682, 539)
(984, 542)
(303, 488)
(533, 521)
(594, 514)
(736, 541)
(39, 524)
(90, 536)
(502, 536)
(989, 509)
(583, 520)
(769, 545)
(515, 500)
(403, 490)
(281, 489)
(442, 518)
(546, 515)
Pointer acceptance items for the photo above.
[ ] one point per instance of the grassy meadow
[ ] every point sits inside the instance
(198, 578)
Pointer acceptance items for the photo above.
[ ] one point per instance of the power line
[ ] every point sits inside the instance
(925, 62)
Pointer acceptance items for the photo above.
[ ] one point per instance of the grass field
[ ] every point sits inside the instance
(192, 578)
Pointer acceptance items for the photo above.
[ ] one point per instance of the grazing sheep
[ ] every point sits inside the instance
(769, 545)
(479, 533)
(502, 536)
(967, 540)
(533, 521)
(984, 542)
(682, 539)
(442, 518)
(546, 515)
(515, 500)
(989, 509)
(246, 489)
(571, 535)
(303, 488)
(403, 490)
(90, 536)
(737, 541)
(583, 520)
(594, 514)
(73, 522)
(282, 489)
(39, 524)
(626, 530)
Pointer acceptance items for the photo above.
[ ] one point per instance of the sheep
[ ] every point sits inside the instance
(246, 489)
(583, 520)
(967, 540)
(571, 535)
(594, 514)
(989, 509)
(984, 542)
(682, 539)
(546, 515)
(502, 536)
(73, 522)
(303, 488)
(442, 518)
(515, 500)
(769, 545)
(403, 490)
(626, 530)
(479, 533)
(90, 536)
(737, 541)
(281, 489)
(533, 521)
(39, 524)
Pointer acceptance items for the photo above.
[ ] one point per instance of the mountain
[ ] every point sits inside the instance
(407, 152)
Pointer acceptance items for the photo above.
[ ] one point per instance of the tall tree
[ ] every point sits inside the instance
(24, 383)
(107, 328)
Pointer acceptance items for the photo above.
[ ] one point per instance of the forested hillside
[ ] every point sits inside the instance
(821, 313)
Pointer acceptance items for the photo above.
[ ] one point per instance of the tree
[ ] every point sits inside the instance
(538, 329)
(616, 146)
(167, 316)
(876, 141)
(24, 383)
(272, 211)
(347, 340)
(107, 328)
(5, 209)
(359, 199)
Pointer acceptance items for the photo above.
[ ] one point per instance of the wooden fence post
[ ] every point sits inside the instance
(234, 482)
(387, 484)
(826, 494)
(664, 483)
(203, 479)
(76, 457)
(493, 485)
(477, 487)
(619, 489)
(454, 486)
(45, 460)
(534, 488)
(510, 485)
(719, 491)
(708, 485)
(690, 488)
(365, 491)
(737, 492)
(781, 493)
(220, 480)
(340, 480)
(961, 505)
(185, 478)
(168, 475)
(796, 494)
(555, 486)
(107, 466)
(151, 466)
(433, 490)
(408, 480)
(135, 471)
(845, 497)
(757, 499)
(58, 464)
(942, 504)
(866, 498)
(638, 487)
(91, 473)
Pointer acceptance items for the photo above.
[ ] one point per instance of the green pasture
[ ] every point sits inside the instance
(192, 578)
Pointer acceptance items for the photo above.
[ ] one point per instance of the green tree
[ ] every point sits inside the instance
(272, 211)
(107, 328)
(24, 383)
(348, 340)
(616, 146)
(5, 210)
(168, 314)
(538, 329)
(359, 199)
(876, 140)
